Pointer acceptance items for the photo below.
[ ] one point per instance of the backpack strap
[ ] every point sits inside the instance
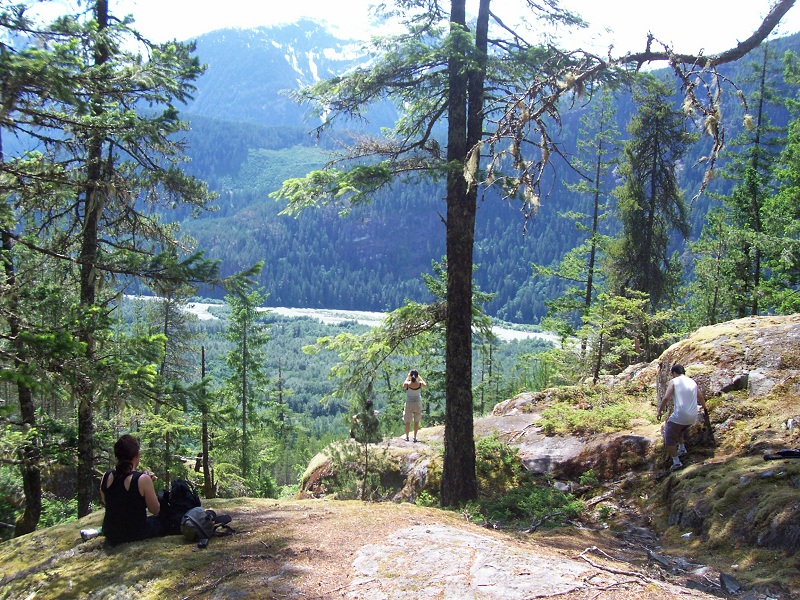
(222, 519)
(226, 530)
(221, 526)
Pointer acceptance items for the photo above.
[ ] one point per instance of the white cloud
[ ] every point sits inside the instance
(712, 25)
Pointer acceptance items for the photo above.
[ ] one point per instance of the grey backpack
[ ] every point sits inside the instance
(200, 524)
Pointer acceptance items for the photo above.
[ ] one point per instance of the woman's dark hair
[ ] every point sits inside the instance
(414, 375)
(678, 369)
(126, 449)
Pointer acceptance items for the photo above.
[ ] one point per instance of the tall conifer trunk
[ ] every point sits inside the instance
(209, 489)
(464, 130)
(93, 209)
(29, 453)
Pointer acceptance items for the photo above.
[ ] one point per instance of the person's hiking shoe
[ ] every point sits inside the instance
(682, 451)
(89, 534)
(415, 440)
(676, 466)
(406, 438)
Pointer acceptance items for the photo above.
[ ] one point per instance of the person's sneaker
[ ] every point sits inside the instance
(415, 440)
(406, 438)
(676, 466)
(682, 451)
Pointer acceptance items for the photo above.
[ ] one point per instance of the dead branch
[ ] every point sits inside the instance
(599, 499)
(536, 524)
(583, 556)
(769, 23)
(525, 115)
(213, 584)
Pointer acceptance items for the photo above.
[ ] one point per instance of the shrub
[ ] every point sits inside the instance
(497, 466)
(589, 478)
(511, 496)
(426, 499)
(532, 505)
(596, 416)
(57, 510)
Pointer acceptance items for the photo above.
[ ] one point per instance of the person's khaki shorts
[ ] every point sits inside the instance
(673, 432)
(412, 413)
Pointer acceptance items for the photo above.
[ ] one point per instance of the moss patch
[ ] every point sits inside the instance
(590, 410)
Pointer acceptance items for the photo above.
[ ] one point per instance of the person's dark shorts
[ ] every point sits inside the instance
(673, 433)
(152, 528)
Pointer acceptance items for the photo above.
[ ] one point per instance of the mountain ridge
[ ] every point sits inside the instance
(248, 135)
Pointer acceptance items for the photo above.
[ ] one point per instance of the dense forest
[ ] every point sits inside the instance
(101, 206)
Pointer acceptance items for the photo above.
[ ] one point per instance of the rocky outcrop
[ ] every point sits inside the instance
(759, 354)
(754, 354)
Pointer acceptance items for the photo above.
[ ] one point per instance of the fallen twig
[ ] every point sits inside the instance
(611, 569)
(522, 431)
(613, 586)
(598, 499)
(535, 525)
(213, 584)
(328, 593)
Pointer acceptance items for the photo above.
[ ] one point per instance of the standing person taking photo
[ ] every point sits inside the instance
(128, 494)
(413, 409)
(685, 396)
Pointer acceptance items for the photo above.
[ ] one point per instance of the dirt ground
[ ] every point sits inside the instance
(307, 549)
(342, 549)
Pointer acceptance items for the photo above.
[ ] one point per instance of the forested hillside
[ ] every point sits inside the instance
(248, 136)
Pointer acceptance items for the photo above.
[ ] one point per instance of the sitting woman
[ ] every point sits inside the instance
(127, 495)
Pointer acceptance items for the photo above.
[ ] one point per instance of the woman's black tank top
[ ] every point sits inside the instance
(126, 510)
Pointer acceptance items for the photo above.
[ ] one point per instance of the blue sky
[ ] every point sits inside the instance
(712, 25)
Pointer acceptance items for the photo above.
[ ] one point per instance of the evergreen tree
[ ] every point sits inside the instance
(650, 202)
(782, 212)
(168, 316)
(612, 328)
(105, 164)
(751, 161)
(597, 155)
(711, 294)
(246, 385)
(102, 203)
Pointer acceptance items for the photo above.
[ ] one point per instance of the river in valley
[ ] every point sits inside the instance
(334, 316)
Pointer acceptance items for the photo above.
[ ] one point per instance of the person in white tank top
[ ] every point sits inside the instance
(686, 396)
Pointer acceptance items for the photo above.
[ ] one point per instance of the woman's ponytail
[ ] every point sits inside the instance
(126, 450)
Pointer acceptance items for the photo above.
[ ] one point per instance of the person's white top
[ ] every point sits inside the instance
(684, 401)
(414, 395)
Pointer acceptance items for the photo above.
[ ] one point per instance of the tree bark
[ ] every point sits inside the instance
(464, 130)
(209, 490)
(94, 202)
(29, 452)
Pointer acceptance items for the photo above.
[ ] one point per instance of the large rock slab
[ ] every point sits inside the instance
(439, 561)
(442, 561)
(754, 354)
